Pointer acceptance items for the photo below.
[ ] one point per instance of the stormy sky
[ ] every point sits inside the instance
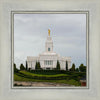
(68, 32)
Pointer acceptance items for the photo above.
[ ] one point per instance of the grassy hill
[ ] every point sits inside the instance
(72, 78)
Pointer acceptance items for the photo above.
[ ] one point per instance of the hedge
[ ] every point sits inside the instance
(75, 76)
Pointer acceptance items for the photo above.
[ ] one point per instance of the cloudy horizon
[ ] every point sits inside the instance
(68, 32)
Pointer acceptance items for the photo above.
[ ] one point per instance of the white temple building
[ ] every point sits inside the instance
(48, 59)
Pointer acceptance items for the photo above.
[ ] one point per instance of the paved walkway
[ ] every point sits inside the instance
(42, 84)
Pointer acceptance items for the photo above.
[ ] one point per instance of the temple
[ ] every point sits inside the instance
(48, 59)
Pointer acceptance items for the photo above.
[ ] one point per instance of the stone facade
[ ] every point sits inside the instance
(48, 59)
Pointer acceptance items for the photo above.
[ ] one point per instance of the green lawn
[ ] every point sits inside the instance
(67, 78)
(71, 82)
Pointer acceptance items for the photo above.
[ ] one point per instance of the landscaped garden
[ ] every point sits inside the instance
(72, 78)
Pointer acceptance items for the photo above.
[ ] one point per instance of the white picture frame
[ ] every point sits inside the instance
(8, 93)
(86, 13)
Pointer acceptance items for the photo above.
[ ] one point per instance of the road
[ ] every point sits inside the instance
(42, 84)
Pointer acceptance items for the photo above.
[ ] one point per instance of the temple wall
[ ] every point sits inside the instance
(32, 61)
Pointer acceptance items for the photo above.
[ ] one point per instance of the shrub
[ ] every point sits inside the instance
(15, 69)
(22, 67)
(58, 65)
(73, 67)
(77, 69)
(66, 66)
(26, 66)
(82, 68)
(37, 66)
(67, 76)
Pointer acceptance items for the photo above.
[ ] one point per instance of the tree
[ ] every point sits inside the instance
(77, 69)
(37, 66)
(66, 66)
(82, 68)
(14, 66)
(58, 65)
(73, 67)
(29, 69)
(22, 67)
(70, 69)
(15, 69)
(26, 66)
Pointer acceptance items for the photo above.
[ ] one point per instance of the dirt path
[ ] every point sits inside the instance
(41, 84)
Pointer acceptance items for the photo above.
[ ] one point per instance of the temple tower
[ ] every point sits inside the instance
(49, 43)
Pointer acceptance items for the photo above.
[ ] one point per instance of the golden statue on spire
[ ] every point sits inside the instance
(49, 32)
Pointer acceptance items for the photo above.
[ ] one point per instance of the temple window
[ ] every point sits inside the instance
(48, 49)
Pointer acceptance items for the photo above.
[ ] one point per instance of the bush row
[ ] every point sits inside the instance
(48, 72)
(52, 72)
(43, 77)
(49, 77)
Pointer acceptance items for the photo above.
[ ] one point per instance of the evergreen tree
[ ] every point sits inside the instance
(58, 65)
(77, 69)
(66, 66)
(29, 69)
(26, 66)
(37, 66)
(73, 67)
(15, 69)
(70, 69)
(22, 67)
(82, 68)
(14, 66)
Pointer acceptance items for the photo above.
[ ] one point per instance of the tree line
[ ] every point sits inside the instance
(81, 68)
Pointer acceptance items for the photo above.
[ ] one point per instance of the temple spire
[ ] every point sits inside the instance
(49, 32)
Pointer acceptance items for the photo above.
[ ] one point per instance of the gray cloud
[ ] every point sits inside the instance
(68, 32)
